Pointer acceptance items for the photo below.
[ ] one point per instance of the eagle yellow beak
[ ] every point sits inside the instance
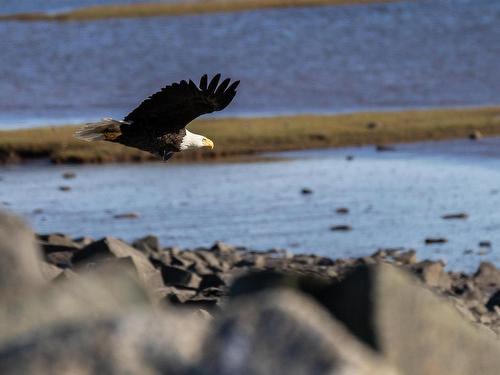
(207, 143)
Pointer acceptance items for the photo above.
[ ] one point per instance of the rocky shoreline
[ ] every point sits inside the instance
(111, 306)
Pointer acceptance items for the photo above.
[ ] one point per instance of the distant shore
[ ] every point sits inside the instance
(246, 138)
(174, 9)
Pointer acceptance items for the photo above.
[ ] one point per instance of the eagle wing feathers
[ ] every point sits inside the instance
(176, 105)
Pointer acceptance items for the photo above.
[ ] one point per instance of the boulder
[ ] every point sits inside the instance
(418, 332)
(109, 250)
(487, 276)
(20, 257)
(211, 280)
(49, 271)
(176, 276)
(493, 301)
(60, 259)
(433, 274)
(283, 332)
(97, 294)
(147, 244)
(138, 342)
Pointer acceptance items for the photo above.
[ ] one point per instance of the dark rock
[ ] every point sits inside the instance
(179, 261)
(318, 137)
(485, 244)
(147, 244)
(64, 188)
(61, 259)
(306, 191)
(323, 261)
(211, 280)
(460, 215)
(493, 301)
(176, 276)
(83, 241)
(202, 303)
(38, 211)
(475, 135)
(382, 148)
(341, 228)
(127, 215)
(435, 241)
(349, 158)
(212, 292)
(342, 210)
(69, 175)
(373, 125)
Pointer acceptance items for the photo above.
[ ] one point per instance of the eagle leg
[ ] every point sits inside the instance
(167, 155)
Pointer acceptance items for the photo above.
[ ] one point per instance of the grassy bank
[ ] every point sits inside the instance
(242, 137)
(175, 9)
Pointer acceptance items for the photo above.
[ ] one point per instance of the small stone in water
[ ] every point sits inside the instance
(337, 228)
(432, 241)
(306, 191)
(64, 188)
(68, 175)
(461, 215)
(127, 215)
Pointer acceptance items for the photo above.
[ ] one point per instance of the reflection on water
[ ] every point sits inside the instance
(394, 199)
(330, 59)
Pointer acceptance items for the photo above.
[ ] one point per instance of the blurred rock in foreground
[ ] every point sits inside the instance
(79, 306)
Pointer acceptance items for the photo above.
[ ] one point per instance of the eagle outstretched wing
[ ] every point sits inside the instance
(176, 105)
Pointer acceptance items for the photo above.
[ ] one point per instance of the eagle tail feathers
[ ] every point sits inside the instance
(105, 130)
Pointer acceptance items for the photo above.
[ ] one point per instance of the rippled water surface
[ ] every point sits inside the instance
(49, 6)
(329, 59)
(394, 198)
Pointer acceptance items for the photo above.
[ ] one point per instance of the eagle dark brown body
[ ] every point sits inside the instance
(158, 124)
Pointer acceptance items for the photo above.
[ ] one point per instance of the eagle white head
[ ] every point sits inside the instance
(193, 141)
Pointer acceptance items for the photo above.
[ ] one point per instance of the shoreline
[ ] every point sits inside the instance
(154, 309)
(99, 12)
(212, 271)
(246, 139)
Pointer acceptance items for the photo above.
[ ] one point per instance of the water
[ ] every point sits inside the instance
(52, 6)
(396, 199)
(321, 60)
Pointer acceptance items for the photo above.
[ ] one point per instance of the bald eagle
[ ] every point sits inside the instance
(158, 124)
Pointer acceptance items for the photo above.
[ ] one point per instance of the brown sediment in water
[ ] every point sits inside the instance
(175, 9)
(245, 139)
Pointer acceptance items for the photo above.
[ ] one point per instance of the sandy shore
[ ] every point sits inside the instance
(176, 9)
(245, 138)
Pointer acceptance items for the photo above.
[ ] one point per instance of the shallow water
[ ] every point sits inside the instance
(322, 60)
(52, 6)
(396, 199)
